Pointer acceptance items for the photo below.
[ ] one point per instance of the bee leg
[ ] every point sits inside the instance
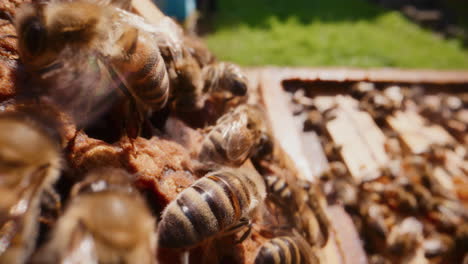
(7, 233)
(323, 221)
(234, 228)
(51, 204)
(246, 233)
(271, 208)
(272, 230)
(242, 223)
(147, 129)
(319, 212)
(52, 198)
(133, 119)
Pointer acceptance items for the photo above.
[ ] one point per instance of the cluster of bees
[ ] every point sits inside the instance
(410, 213)
(84, 59)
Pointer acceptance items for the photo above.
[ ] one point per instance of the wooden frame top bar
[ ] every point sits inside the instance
(372, 75)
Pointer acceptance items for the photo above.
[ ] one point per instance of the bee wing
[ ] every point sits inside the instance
(71, 243)
(308, 252)
(167, 33)
(82, 249)
(7, 233)
(11, 218)
(238, 140)
(81, 85)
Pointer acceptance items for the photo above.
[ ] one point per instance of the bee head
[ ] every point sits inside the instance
(26, 153)
(237, 82)
(105, 179)
(45, 29)
(238, 87)
(26, 141)
(118, 212)
(31, 31)
(265, 147)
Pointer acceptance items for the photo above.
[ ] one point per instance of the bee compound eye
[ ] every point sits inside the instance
(34, 36)
(239, 88)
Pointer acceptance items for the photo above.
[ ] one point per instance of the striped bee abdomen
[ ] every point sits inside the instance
(301, 204)
(322, 218)
(211, 205)
(280, 189)
(145, 72)
(284, 250)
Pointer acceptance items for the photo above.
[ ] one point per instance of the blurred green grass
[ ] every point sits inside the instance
(352, 33)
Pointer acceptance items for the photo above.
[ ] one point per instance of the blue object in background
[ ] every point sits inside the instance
(179, 9)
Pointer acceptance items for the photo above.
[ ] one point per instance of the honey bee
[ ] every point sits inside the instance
(199, 50)
(194, 75)
(339, 185)
(302, 207)
(393, 147)
(400, 198)
(30, 162)
(187, 83)
(438, 245)
(378, 105)
(281, 192)
(184, 69)
(286, 249)
(359, 90)
(220, 203)
(373, 215)
(332, 150)
(193, 85)
(405, 237)
(101, 41)
(106, 221)
(423, 196)
(316, 204)
(378, 259)
(447, 214)
(224, 77)
(314, 122)
(236, 136)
